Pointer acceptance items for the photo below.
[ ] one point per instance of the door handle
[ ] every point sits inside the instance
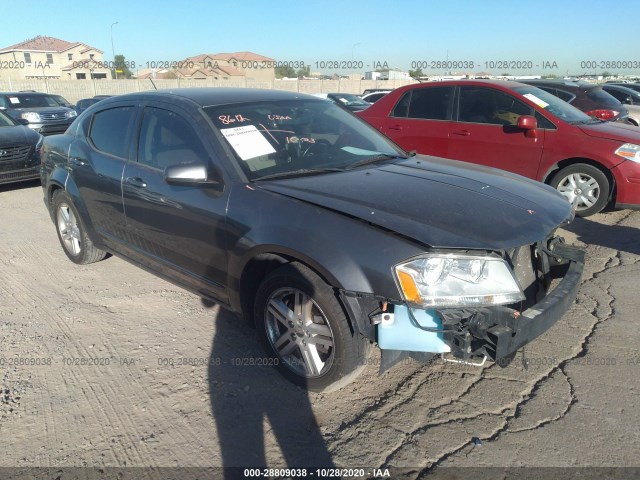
(462, 133)
(77, 161)
(136, 182)
(395, 127)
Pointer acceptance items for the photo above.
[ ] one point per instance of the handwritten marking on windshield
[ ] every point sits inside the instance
(228, 119)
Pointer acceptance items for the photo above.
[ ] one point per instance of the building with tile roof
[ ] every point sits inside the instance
(219, 66)
(50, 57)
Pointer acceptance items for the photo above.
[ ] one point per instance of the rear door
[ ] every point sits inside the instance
(485, 131)
(96, 160)
(421, 120)
(179, 228)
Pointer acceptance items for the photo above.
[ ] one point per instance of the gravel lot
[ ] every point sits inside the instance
(107, 365)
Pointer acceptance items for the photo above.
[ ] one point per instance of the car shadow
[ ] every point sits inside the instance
(617, 237)
(8, 187)
(252, 404)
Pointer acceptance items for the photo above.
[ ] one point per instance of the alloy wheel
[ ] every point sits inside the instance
(299, 332)
(69, 230)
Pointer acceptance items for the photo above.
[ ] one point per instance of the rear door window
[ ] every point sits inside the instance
(431, 103)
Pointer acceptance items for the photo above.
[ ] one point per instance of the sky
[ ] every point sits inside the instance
(516, 37)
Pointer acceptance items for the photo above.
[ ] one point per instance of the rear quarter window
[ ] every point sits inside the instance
(110, 128)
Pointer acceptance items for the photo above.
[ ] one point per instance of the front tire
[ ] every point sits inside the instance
(305, 331)
(72, 233)
(584, 186)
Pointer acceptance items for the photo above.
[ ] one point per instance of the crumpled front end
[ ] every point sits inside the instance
(548, 274)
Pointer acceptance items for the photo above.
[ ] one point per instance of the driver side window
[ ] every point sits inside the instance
(486, 105)
(168, 139)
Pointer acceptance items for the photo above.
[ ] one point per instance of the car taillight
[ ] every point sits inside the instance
(603, 114)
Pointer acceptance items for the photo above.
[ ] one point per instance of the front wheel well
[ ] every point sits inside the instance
(572, 161)
(257, 269)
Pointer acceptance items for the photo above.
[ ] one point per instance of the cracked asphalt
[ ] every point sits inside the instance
(106, 365)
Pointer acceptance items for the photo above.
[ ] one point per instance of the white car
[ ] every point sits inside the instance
(346, 100)
(375, 96)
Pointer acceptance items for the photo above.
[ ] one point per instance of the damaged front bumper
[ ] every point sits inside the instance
(471, 334)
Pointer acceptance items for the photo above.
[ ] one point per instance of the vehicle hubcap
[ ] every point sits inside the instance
(68, 228)
(580, 189)
(299, 332)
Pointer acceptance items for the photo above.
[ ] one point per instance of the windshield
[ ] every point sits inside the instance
(348, 99)
(7, 121)
(291, 136)
(25, 100)
(555, 106)
(61, 100)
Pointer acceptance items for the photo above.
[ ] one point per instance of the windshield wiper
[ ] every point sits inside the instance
(373, 159)
(299, 173)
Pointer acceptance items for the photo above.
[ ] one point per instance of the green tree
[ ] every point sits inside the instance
(304, 72)
(121, 69)
(285, 71)
(416, 73)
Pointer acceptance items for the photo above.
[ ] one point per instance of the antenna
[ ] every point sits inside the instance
(154, 85)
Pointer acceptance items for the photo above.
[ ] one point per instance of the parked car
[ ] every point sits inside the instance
(585, 96)
(19, 151)
(628, 97)
(632, 86)
(346, 100)
(319, 229)
(41, 112)
(375, 96)
(367, 91)
(519, 128)
(85, 103)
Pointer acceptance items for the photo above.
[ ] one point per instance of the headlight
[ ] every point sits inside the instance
(451, 280)
(31, 116)
(630, 151)
(71, 114)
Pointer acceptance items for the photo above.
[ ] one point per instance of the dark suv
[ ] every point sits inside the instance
(45, 113)
(585, 96)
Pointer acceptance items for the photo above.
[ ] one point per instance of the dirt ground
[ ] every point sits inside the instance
(106, 365)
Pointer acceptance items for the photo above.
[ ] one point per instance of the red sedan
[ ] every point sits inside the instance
(519, 128)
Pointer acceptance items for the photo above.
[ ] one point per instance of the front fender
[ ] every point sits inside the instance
(348, 253)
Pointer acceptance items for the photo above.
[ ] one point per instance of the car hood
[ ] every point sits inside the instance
(621, 132)
(437, 202)
(18, 135)
(43, 109)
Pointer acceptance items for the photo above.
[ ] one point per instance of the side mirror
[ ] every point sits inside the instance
(529, 124)
(191, 174)
(627, 101)
(23, 121)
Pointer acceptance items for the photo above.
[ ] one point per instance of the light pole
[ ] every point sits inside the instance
(113, 50)
(353, 48)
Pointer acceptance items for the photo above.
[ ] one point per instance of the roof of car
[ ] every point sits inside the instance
(220, 96)
(499, 83)
(26, 92)
(559, 82)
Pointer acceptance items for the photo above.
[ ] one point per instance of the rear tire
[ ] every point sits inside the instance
(305, 331)
(72, 233)
(585, 186)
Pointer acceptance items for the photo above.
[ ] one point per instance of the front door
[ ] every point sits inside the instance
(485, 132)
(181, 228)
